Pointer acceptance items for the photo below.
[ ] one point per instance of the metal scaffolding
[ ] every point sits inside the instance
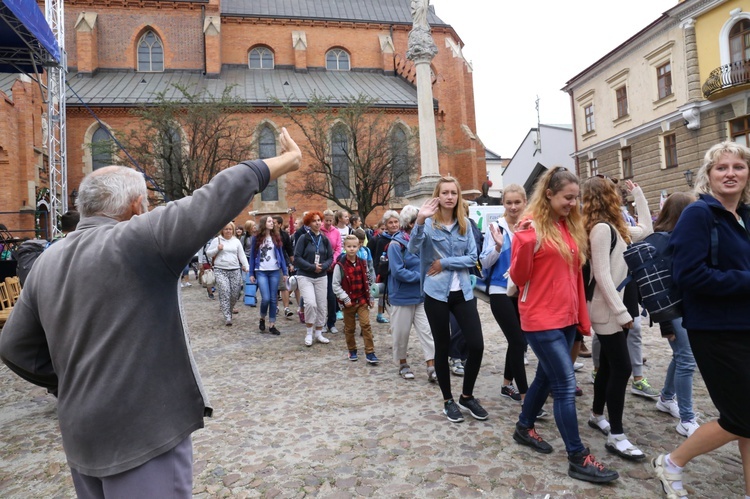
(56, 121)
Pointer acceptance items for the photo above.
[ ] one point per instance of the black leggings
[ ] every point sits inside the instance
(612, 378)
(438, 315)
(505, 310)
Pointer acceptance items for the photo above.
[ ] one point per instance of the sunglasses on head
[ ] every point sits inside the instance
(612, 179)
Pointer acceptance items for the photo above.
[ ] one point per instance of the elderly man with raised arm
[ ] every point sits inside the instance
(100, 322)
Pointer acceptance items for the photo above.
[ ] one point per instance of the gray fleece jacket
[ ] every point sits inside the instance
(100, 319)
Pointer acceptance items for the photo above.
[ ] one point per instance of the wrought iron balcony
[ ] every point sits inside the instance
(727, 76)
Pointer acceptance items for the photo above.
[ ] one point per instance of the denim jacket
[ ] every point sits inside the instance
(457, 254)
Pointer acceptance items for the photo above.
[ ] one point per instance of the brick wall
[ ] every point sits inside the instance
(20, 138)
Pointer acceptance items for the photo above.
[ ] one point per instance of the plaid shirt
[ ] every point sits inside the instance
(354, 280)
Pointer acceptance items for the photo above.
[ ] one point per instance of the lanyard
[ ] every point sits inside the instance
(317, 243)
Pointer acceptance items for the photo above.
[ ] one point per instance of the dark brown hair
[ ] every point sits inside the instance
(671, 211)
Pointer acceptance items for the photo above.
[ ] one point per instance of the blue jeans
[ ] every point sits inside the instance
(679, 380)
(555, 373)
(268, 283)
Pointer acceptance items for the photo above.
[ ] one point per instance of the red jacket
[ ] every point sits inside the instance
(551, 289)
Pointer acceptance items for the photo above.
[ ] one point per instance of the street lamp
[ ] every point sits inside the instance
(689, 177)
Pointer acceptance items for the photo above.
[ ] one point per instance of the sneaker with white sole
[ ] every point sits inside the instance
(452, 412)
(472, 405)
(643, 388)
(333, 330)
(668, 406)
(457, 367)
(577, 366)
(321, 339)
(510, 392)
(668, 480)
(687, 428)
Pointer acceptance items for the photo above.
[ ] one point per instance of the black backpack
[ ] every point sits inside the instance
(650, 266)
(26, 255)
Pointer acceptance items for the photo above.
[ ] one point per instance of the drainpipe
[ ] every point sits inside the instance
(203, 37)
(575, 135)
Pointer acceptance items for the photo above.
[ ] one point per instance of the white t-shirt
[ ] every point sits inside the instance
(455, 283)
(267, 259)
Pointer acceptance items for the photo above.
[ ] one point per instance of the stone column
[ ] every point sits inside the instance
(691, 62)
(421, 51)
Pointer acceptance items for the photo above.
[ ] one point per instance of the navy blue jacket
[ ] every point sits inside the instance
(714, 297)
(304, 254)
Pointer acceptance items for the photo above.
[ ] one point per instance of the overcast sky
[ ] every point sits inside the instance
(521, 49)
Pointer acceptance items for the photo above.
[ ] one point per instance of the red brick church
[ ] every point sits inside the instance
(121, 52)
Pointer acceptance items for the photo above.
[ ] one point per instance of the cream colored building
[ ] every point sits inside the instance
(650, 108)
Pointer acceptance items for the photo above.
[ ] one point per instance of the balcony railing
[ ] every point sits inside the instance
(727, 76)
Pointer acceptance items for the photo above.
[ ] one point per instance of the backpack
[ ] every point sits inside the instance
(650, 266)
(384, 267)
(589, 283)
(26, 255)
(479, 240)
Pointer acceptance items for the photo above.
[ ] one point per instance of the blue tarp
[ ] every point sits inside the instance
(25, 37)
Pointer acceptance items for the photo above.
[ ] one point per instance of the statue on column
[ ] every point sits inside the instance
(421, 44)
(419, 12)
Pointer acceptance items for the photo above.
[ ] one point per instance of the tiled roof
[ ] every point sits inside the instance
(387, 11)
(254, 86)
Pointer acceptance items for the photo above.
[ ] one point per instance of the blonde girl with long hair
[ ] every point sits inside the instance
(447, 251)
(547, 254)
(495, 260)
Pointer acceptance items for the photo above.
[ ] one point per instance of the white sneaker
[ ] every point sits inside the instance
(308, 340)
(333, 330)
(668, 406)
(577, 366)
(687, 428)
(321, 338)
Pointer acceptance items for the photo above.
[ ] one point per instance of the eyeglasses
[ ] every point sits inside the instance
(612, 179)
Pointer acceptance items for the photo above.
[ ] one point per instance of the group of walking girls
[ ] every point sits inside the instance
(533, 259)
(543, 251)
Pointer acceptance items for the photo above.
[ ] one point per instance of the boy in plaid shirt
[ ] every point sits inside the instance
(351, 286)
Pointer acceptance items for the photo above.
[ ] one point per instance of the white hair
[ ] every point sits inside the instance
(408, 215)
(390, 214)
(110, 191)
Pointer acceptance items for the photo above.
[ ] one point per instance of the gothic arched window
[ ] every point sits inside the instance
(150, 53)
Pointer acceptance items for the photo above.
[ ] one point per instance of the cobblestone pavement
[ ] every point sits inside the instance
(293, 421)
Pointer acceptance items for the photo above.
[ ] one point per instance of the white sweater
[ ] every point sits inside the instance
(231, 257)
(606, 309)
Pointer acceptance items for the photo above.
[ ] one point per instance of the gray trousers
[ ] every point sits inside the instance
(167, 476)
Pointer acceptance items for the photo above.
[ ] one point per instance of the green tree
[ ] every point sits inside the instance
(360, 158)
(184, 141)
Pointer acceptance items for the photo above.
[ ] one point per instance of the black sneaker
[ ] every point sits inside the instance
(510, 392)
(472, 405)
(584, 466)
(452, 412)
(530, 438)
(273, 330)
(262, 325)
